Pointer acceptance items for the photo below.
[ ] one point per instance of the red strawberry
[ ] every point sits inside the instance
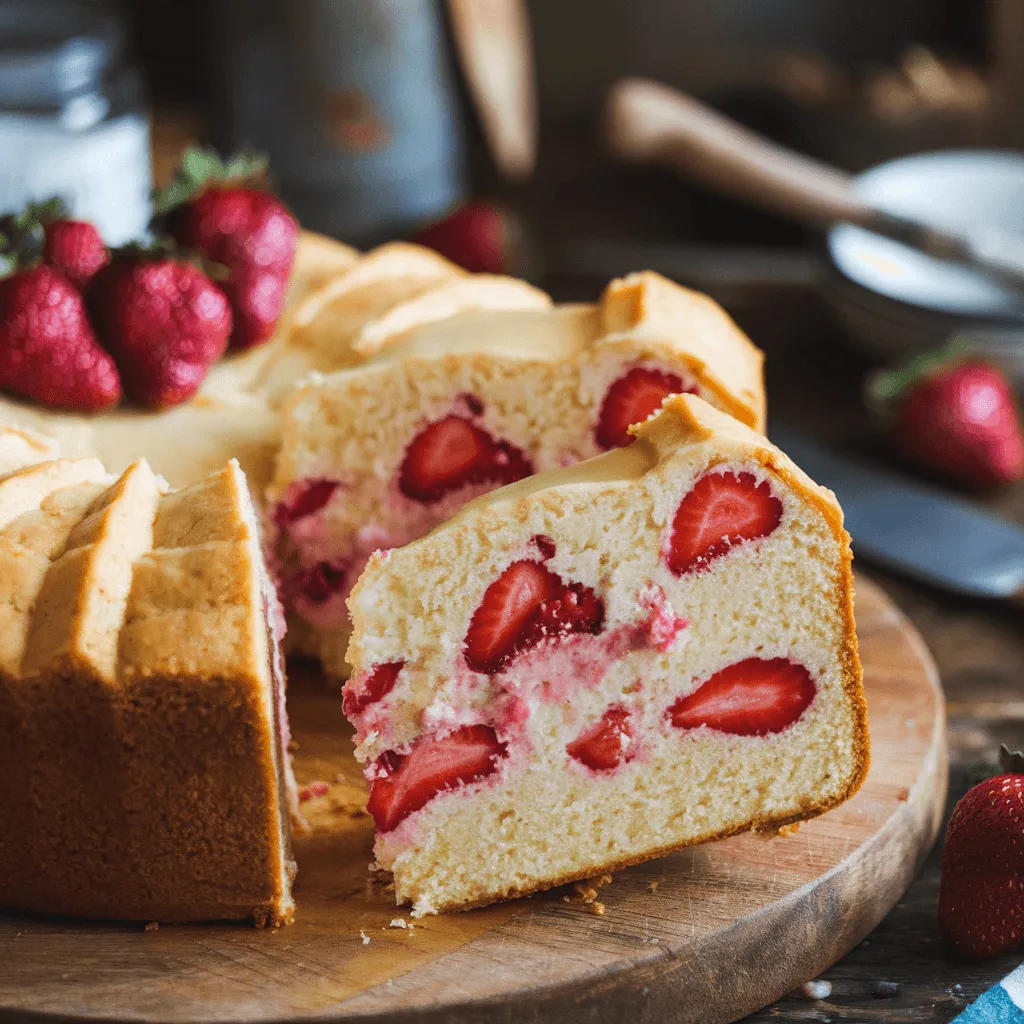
(164, 321)
(361, 693)
(475, 236)
(981, 898)
(631, 399)
(452, 452)
(75, 248)
(48, 351)
(405, 783)
(527, 603)
(321, 582)
(302, 500)
(751, 698)
(605, 744)
(720, 511)
(954, 414)
(213, 209)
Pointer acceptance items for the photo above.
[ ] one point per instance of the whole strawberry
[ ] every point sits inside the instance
(164, 321)
(48, 351)
(475, 236)
(956, 414)
(981, 900)
(75, 248)
(213, 210)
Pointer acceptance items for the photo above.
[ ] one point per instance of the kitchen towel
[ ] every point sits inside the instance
(1001, 1004)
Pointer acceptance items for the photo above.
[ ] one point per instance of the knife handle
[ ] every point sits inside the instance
(645, 122)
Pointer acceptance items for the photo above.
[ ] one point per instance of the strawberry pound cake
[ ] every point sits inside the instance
(602, 664)
(143, 735)
(375, 456)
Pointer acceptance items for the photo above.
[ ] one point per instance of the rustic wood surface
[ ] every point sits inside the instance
(676, 941)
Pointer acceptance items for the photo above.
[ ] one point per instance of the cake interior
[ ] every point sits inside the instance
(672, 703)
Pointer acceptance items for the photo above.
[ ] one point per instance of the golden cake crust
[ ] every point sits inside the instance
(141, 728)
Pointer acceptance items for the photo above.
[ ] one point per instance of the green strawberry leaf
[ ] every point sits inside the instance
(8, 263)
(199, 167)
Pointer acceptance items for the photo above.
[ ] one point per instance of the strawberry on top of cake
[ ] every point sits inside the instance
(607, 662)
(375, 456)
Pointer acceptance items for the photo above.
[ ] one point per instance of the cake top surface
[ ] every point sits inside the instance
(115, 578)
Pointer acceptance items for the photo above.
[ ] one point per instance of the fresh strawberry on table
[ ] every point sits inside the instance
(216, 209)
(475, 236)
(48, 351)
(981, 899)
(955, 414)
(164, 321)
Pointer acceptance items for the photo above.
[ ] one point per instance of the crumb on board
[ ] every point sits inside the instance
(152, 926)
(653, 886)
(597, 907)
(317, 788)
(398, 922)
(816, 989)
(586, 890)
(364, 937)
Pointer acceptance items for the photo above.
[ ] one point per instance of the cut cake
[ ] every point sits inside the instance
(375, 456)
(143, 735)
(602, 664)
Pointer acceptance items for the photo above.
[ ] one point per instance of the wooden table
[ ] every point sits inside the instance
(979, 649)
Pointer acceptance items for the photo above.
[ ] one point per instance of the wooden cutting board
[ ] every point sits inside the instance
(708, 934)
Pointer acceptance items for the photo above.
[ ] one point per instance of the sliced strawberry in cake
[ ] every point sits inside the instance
(459, 407)
(604, 663)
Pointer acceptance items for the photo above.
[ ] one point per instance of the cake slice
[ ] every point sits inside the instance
(143, 737)
(602, 664)
(375, 456)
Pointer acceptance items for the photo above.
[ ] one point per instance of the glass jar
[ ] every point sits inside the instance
(72, 117)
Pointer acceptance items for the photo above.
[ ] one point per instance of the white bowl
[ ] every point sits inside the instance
(895, 300)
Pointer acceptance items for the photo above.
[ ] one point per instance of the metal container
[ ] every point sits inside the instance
(356, 105)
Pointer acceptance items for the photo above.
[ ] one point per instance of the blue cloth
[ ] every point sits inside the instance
(1001, 1004)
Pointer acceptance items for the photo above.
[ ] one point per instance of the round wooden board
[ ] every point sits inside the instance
(708, 934)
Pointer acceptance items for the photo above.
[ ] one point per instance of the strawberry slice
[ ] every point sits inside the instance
(526, 604)
(361, 693)
(605, 744)
(452, 452)
(721, 510)
(405, 783)
(631, 399)
(751, 698)
(321, 582)
(302, 500)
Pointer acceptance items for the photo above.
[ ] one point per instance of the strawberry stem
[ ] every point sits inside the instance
(201, 167)
(886, 387)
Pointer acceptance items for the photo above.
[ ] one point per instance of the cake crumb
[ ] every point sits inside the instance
(318, 788)
(152, 926)
(586, 890)
(816, 989)
(789, 830)
(364, 937)
(653, 886)
(597, 907)
(398, 922)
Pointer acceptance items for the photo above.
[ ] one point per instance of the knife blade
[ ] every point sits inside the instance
(914, 529)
